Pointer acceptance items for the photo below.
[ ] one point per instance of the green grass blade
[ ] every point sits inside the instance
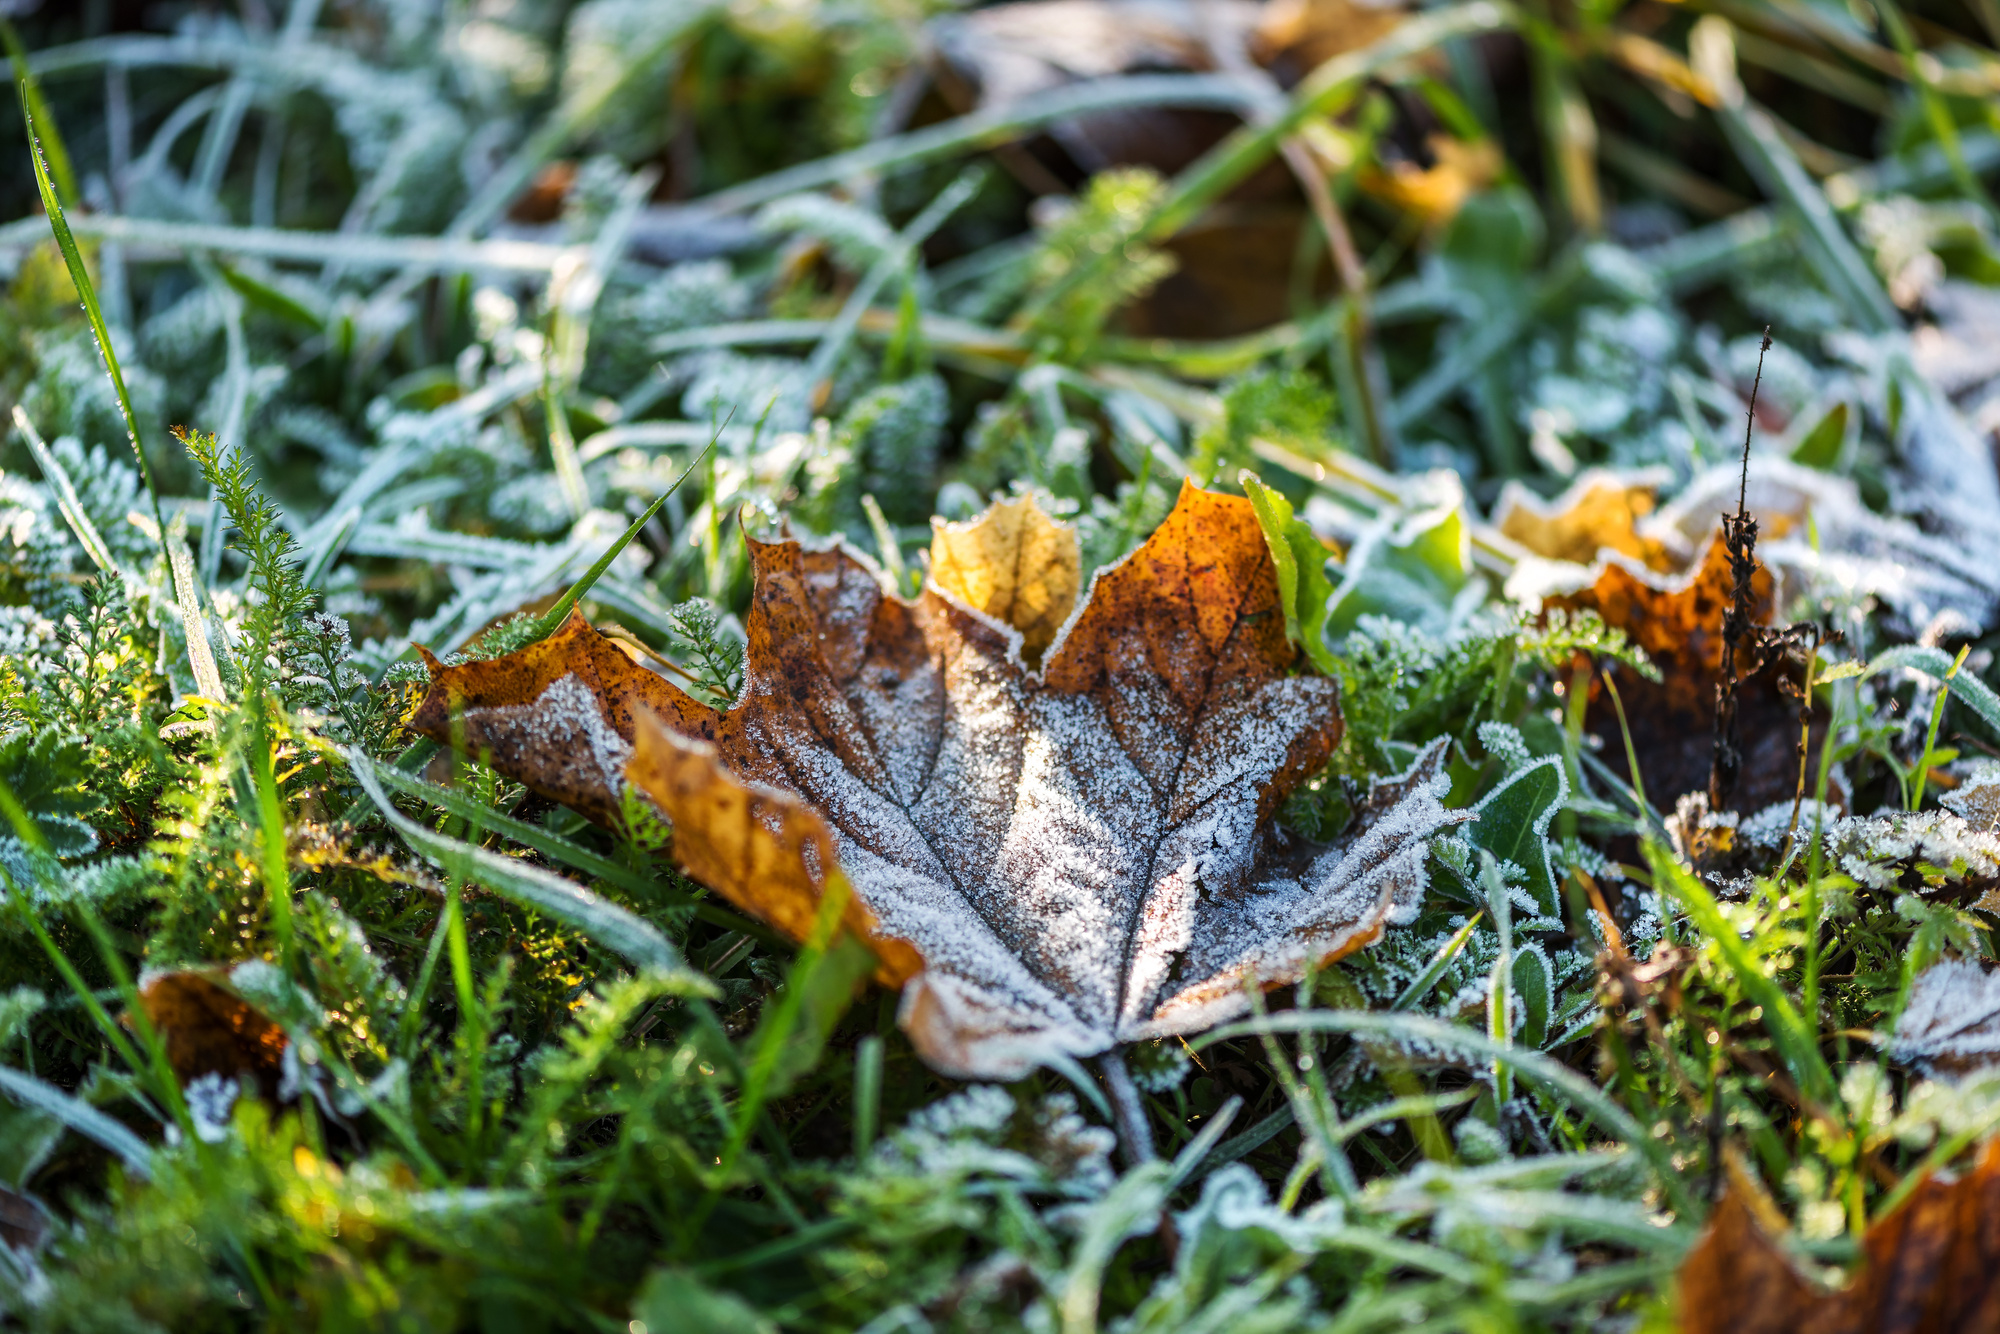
(616, 928)
(557, 613)
(60, 170)
(1533, 1066)
(80, 275)
(554, 846)
(1796, 1040)
(79, 1116)
(1936, 663)
(58, 478)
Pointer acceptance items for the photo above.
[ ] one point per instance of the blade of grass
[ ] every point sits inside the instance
(80, 275)
(618, 929)
(1935, 662)
(66, 499)
(1796, 1040)
(555, 615)
(79, 1116)
(166, 1086)
(60, 170)
(1436, 1034)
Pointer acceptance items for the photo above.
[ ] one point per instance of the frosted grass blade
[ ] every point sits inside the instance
(66, 499)
(616, 928)
(79, 1116)
(59, 224)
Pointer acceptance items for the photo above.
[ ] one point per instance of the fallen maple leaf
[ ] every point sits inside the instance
(1930, 1267)
(1054, 862)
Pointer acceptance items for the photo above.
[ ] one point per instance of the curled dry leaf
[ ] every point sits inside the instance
(1294, 37)
(1458, 170)
(1977, 799)
(1930, 1267)
(1814, 535)
(1678, 621)
(209, 1030)
(1055, 861)
(1600, 511)
(23, 1223)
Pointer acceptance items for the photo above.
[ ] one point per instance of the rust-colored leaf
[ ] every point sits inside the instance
(208, 1030)
(1293, 37)
(1930, 1267)
(1015, 564)
(1459, 169)
(1677, 619)
(762, 847)
(558, 715)
(1055, 861)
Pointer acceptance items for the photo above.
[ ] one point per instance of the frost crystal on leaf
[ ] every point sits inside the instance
(1951, 1026)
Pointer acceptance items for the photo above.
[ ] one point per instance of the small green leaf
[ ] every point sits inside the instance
(676, 1300)
(1303, 587)
(1411, 567)
(1820, 446)
(1513, 825)
(1535, 984)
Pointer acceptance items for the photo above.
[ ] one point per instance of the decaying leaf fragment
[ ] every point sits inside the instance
(1931, 1267)
(1015, 564)
(1057, 861)
(208, 1030)
(1600, 511)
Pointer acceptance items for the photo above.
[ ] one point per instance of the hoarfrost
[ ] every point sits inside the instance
(1951, 1027)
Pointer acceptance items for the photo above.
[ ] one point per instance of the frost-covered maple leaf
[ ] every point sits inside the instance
(1052, 861)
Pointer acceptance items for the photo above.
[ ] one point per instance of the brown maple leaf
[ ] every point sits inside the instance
(1054, 861)
(1930, 1267)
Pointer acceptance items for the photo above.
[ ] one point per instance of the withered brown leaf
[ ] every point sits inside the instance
(1930, 1267)
(1056, 861)
(1677, 619)
(208, 1030)
(23, 1222)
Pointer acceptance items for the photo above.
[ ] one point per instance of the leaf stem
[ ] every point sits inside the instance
(1135, 1135)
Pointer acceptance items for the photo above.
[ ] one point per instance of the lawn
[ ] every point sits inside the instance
(1128, 665)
